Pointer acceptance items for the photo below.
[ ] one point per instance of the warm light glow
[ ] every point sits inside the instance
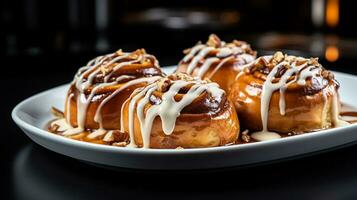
(332, 13)
(332, 53)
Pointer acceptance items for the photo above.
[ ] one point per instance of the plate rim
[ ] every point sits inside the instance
(81, 144)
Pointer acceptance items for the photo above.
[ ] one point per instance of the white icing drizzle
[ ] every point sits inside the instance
(284, 85)
(83, 84)
(266, 59)
(168, 110)
(97, 133)
(120, 65)
(348, 118)
(193, 51)
(206, 65)
(265, 135)
(98, 116)
(108, 137)
(203, 53)
(68, 109)
(247, 58)
(281, 85)
(337, 122)
(62, 124)
(267, 91)
(282, 104)
(82, 106)
(200, 51)
(65, 127)
(307, 72)
(302, 72)
(131, 120)
(225, 51)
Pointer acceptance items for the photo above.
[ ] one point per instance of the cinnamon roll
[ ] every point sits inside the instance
(179, 111)
(217, 60)
(99, 89)
(283, 94)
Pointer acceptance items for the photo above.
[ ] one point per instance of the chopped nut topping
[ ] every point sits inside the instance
(300, 61)
(328, 75)
(245, 137)
(53, 128)
(182, 76)
(265, 64)
(239, 43)
(143, 51)
(314, 61)
(278, 57)
(164, 83)
(214, 41)
(119, 52)
(115, 136)
(105, 69)
(119, 136)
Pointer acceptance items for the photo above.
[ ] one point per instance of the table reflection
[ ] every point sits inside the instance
(41, 174)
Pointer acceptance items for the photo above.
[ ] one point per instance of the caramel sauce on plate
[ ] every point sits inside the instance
(348, 113)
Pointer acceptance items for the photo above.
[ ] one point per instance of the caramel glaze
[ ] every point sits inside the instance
(225, 68)
(110, 111)
(308, 105)
(207, 121)
(348, 113)
(119, 138)
(346, 110)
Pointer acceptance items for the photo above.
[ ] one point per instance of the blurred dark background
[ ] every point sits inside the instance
(43, 43)
(64, 34)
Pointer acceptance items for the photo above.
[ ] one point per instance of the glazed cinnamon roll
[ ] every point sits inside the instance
(180, 111)
(283, 94)
(217, 60)
(99, 89)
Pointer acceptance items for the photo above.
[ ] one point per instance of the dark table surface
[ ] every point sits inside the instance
(28, 171)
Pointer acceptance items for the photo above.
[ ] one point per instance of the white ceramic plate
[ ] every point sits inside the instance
(32, 114)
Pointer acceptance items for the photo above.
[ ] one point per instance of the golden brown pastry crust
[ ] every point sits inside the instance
(308, 107)
(141, 65)
(225, 67)
(206, 122)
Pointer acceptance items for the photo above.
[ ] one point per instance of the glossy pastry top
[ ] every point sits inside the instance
(177, 98)
(124, 99)
(98, 90)
(204, 60)
(198, 96)
(118, 67)
(306, 76)
(286, 94)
